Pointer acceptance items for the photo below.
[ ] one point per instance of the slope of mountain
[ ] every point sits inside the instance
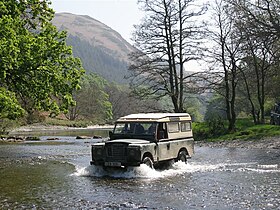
(101, 49)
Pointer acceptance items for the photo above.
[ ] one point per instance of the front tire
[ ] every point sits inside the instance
(182, 156)
(148, 161)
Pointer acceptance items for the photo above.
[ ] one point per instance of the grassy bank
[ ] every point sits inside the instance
(68, 123)
(8, 125)
(245, 130)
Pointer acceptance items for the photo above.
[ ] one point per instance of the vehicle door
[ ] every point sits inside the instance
(164, 143)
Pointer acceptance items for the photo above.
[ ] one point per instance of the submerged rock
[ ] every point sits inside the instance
(12, 139)
(32, 138)
(83, 137)
(97, 137)
(52, 139)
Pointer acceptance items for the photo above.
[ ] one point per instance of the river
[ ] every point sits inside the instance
(57, 175)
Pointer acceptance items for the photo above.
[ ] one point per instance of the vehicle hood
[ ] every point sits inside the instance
(128, 141)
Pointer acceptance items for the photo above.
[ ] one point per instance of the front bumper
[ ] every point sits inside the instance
(115, 164)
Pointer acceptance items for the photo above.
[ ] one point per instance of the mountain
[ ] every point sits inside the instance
(101, 49)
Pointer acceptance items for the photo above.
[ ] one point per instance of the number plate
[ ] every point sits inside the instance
(113, 164)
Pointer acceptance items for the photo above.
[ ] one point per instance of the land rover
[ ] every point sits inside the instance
(150, 138)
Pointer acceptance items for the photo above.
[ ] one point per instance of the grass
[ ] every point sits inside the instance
(245, 130)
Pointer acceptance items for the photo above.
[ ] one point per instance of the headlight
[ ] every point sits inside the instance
(133, 151)
(98, 151)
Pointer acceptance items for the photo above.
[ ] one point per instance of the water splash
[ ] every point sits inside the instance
(143, 171)
(272, 168)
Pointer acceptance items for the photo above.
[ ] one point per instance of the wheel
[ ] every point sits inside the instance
(148, 161)
(182, 156)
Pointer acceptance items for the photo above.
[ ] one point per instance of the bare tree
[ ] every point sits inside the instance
(123, 103)
(167, 39)
(258, 27)
(224, 56)
(257, 69)
(262, 16)
(245, 53)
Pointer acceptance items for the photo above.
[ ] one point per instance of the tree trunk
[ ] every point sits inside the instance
(253, 109)
(181, 88)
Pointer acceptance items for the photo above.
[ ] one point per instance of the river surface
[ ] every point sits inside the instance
(57, 175)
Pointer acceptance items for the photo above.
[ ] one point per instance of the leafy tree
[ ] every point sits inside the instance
(167, 39)
(36, 64)
(9, 105)
(194, 107)
(10, 109)
(215, 108)
(92, 102)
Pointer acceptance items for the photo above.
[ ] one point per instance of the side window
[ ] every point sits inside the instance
(173, 127)
(185, 126)
(162, 131)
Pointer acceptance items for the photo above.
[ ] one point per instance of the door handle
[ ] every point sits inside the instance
(168, 146)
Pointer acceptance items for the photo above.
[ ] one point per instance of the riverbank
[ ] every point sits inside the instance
(264, 143)
(33, 132)
(40, 127)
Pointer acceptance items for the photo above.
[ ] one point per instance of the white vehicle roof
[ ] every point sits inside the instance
(156, 117)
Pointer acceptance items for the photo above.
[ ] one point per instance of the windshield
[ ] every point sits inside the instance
(135, 128)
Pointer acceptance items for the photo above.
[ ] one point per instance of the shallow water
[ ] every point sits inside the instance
(60, 177)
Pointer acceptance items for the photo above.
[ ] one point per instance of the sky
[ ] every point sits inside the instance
(120, 15)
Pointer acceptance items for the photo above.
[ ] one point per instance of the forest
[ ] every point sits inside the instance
(235, 41)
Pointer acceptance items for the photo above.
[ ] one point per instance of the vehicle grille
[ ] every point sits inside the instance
(116, 152)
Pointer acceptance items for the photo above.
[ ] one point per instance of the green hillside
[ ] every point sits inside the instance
(101, 49)
(97, 60)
